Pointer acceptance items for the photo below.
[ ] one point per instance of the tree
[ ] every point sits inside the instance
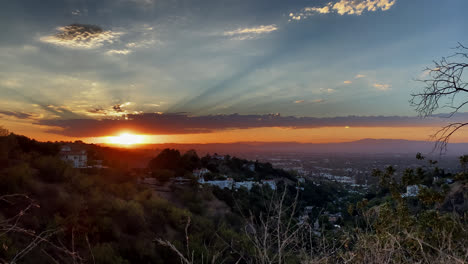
(445, 87)
(168, 159)
(4, 132)
(190, 160)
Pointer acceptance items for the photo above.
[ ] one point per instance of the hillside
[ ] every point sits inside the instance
(168, 212)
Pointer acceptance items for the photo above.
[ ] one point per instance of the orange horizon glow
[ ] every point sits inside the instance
(266, 134)
(126, 139)
(306, 135)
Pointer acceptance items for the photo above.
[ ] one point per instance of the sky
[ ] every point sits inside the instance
(199, 71)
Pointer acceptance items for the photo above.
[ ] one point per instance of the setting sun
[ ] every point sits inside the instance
(126, 139)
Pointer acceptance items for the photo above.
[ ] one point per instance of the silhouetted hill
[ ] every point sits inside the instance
(368, 146)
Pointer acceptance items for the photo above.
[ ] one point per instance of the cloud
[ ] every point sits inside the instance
(117, 110)
(329, 90)
(382, 87)
(165, 124)
(295, 17)
(313, 101)
(321, 10)
(10, 83)
(359, 76)
(144, 43)
(78, 12)
(344, 7)
(355, 7)
(143, 2)
(118, 52)
(19, 115)
(252, 32)
(347, 82)
(82, 36)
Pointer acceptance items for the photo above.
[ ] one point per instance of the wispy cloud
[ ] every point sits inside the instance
(10, 83)
(114, 111)
(118, 52)
(78, 12)
(19, 115)
(359, 76)
(344, 7)
(328, 90)
(299, 101)
(347, 82)
(143, 2)
(356, 7)
(321, 10)
(251, 32)
(81, 36)
(382, 87)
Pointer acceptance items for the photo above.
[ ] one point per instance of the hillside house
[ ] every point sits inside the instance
(270, 183)
(218, 157)
(246, 184)
(411, 191)
(221, 184)
(249, 166)
(200, 172)
(76, 157)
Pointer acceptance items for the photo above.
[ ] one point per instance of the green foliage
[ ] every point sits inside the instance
(106, 254)
(52, 169)
(16, 178)
(190, 160)
(168, 159)
(163, 175)
(107, 213)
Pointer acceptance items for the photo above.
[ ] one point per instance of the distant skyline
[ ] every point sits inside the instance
(222, 71)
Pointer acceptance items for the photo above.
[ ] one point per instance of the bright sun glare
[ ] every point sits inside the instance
(126, 139)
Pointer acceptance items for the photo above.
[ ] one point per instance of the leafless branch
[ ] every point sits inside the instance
(12, 225)
(445, 87)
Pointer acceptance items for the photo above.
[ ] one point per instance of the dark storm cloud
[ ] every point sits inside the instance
(152, 123)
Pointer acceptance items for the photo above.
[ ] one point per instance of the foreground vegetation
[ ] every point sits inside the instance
(53, 213)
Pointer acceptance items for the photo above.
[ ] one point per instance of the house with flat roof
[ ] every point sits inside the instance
(78, 158)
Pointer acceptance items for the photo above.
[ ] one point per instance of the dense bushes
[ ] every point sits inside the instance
(52, 169)
(106, 217)
(102, 214)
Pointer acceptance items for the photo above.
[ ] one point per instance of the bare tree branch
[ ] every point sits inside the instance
(12, 226)
(445, 87)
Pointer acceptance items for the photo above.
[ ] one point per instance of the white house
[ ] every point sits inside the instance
(218, 157)
(249, 166)
(270, 183)
(411, 191)
(77, 157)
(221, 184)
(200, 172)
(247, 184)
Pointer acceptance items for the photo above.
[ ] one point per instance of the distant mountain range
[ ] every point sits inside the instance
(367, 146)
